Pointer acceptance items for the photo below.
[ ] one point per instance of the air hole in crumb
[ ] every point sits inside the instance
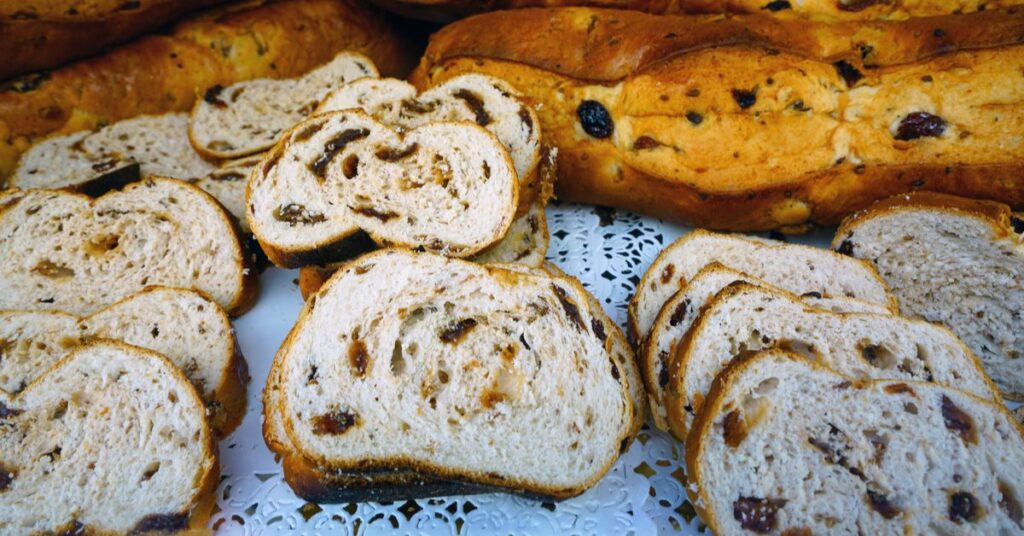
(150, 470)
(397, 359)
(910, 408)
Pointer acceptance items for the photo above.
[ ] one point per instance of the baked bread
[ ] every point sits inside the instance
(787, 446)
(227, 183)
(63, 251)
(956, 261)
(743, 318)
(1019, 414)
(340, 176)
(485, 100)
(107, 414)
(249, 117)
(808, 122)
(184, 326)
(798, 269)
(166, 72)
(456, 405)
(682, 309)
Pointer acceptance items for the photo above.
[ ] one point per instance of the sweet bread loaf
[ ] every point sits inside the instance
(66, 252)
(190, 330)
(956, 261)
(445, 370)
(227, 184)
(751, 123)
(165, 73)
(787, 446)
(743, 319)
(106, 414)
(339, 177)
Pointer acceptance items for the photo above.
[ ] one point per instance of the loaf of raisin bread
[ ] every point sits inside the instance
(106, 417)
(956, 261)
(66, 252)
(227, 184)
(676, 317)
(249, 117)
(182, 325)
(744, 318)
(788, 446)
(339, 177)
(798, 269)
(754, 123)
(449, 367)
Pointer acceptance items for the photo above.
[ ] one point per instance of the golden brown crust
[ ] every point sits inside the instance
(311, 278)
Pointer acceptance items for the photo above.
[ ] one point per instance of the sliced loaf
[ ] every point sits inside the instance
(112, 440)
(956, 261)
(448, 188)
(679, 312)
(227, 184)
(800, 269)
(743, 318)
(787, 446)
(249, 117)
(63, 251)
(417, 362)
(182, 325)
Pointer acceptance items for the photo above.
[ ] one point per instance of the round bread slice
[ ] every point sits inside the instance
(419, 362)
(66, 252)
(956, 261)
(227, 184)
(743, 318)
(182, 325)
(112, 439)
(337, 177)
(788, 446)
(249, 117)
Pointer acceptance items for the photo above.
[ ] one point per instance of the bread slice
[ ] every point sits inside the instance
(63, 251)
(417, 362)
(800, 269)
(488, 101)
(1019, 414)
(743, 318)
(112, 439)
(956, 261)
(681, 310)
(249, 117)
(444, 187)
(227, 184)
(182, 325)
(94, 162)
(788, 446)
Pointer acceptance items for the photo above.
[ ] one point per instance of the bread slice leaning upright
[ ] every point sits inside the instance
(956, 261)
(106, 415)
(788, 446)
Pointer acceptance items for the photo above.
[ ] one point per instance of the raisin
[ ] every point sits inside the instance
(572, 312)
(694, 118)
(105, 165)
(667, 273)
(615, 369)
(335, 146)
(358, 357)
(846, 248)
(6, 477)
(595, 119)
(1018, 224)
(212, 96)
(880, 503)
(294, 213)
(230, 176)
(957, 421)
(391, 154)
(899, 388)
(920, 124)
(870, 353)
(679, 313)
(849, 73)
(744, 98)
(455, 332)
(52, 270)
(963, 507)
(598, 327)
(856, 5)
(733, 430)
(418, 107)
(524, 116)
(161, 524)
(475, 104)
(645, 142)
(491, 398)
(308, 132)
(382, 215)
(311, 378)
(336, 423)
(812, 294)
(350, 166)
(756, 514)
(777, 5)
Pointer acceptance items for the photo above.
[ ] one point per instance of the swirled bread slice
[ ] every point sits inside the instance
(227, 184)
(956, 261)
(94, 162)
(112, 439)
(184, 326)
(63, 251)
(249, 117)
(488, 101)
(449, 367)
(800, 269)
(444, 187)
(679, 312)
(788, 446)
(743, 318)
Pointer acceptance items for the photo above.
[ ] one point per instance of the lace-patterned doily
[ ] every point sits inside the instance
(642, 494)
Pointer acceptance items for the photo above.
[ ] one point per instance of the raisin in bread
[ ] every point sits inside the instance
(337, 177)
(107, 418)
(249, 117)
(414, 361)
(956, 261)
(63, 251)
(788, 446)
(489, 102)
(799, 269)
(182, 325)
(681, 310)
(743, 318)
(227, 183)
